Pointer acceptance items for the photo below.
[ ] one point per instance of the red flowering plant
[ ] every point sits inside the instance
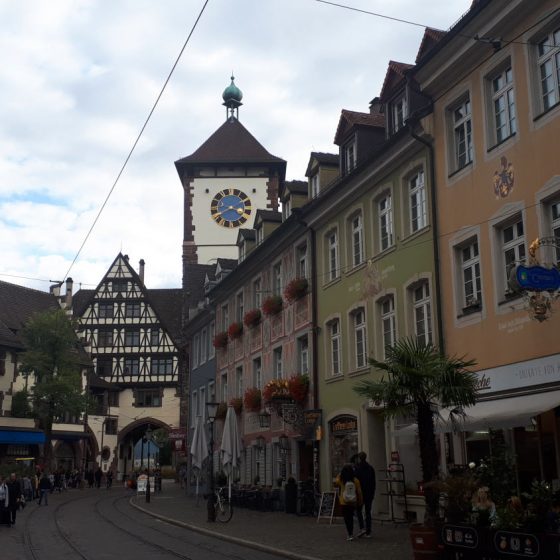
(272, 305)
(220, 340)
(296, 289)
(235, 330)
(237, 404)
(221, 411)
(275, 388)
(298, 387)
(253, 399)
(252, 318)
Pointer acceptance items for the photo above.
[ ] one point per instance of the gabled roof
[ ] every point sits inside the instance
(431, 37)
(395, 74)
(323, 159)
(351, 119)
(17, 305)
(294, 187)
(247, 234)
(226, 264)
(231, 143)
(267, 216)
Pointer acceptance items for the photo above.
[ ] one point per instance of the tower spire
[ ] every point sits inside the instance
(232, 97)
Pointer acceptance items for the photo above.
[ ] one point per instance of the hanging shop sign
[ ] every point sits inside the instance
(536, 278)
(344, 425)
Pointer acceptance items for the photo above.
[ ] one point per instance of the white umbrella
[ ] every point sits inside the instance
(199, 448)
(231, 445)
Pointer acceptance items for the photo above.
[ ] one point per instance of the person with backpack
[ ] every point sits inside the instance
(365, 473)
(349, 496)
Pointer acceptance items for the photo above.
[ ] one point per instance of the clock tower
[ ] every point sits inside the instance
(225, 181)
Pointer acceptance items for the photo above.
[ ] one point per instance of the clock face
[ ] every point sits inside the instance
(230, 208)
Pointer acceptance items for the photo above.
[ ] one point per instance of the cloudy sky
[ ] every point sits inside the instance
(78, 78)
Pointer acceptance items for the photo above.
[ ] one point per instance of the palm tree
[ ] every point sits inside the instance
(417, 381)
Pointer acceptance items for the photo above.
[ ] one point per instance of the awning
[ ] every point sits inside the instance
(22, 437)
(69, 436)
(510, 412)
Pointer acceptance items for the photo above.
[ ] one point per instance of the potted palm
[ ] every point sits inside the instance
(418, 379)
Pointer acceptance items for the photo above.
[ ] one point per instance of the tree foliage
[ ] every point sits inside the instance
(20, 404)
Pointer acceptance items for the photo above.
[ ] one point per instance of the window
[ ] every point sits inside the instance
(548, 64)
(132, 310)
(335, 347)
(202, 400)
(225, 317)
(555, 225)
(113, 398)
(105, 310)
(224, 386)
(398, 114)
(104, 367)
(154, 336)
(360, 341)
(131, 366)
(239, 381)
(385, 220)
(277, 279)
(303, 355)
(388, 323)
(417, 199)
(148, 398)
(260, 234)
(470, 274)
(211, 392)
(503, 105)
(301, 263)
(277, 371)
(357, 237)
(203, 345)
(350, 156)
(315, 186)
(211, 349)
(461, 134)
(257, 294)
(162, 366)
(422, 313)
(105, 338)
(332, 248)
(239, 307)
(132, 337)
(111, 426)
(257, 373)
(119, 286)
(194, 407)
(513, 247)
(196, 350)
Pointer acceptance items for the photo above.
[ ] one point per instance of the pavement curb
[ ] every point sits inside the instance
(227, 538)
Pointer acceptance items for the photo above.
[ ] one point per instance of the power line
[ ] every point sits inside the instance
(137, 138)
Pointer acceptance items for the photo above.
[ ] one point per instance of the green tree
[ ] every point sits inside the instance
(417, 380)
(20, 405)
(52, 356)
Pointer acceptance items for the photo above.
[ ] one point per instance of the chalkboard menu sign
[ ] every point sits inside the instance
(326, 509)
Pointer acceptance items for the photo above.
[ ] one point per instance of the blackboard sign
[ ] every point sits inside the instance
(326, 508)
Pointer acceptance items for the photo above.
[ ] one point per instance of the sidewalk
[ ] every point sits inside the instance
(289, 535)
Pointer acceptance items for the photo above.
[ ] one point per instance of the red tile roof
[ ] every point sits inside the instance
(431, 37)
(349, 119)
(395, 73)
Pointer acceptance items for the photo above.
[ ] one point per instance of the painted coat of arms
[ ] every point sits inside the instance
(503, 179)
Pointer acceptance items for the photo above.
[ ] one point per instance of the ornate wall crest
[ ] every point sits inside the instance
(503, 180)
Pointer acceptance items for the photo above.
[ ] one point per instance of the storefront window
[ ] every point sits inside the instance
(343, 441)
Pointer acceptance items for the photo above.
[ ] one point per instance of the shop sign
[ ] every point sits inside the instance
(465, 537)
(536, 278)
(517, 544)
(312, 424)
(344, 424)
(177, 434)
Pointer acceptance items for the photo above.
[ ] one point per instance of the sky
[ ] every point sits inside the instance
(79, 77)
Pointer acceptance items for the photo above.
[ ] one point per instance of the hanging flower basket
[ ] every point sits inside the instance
(298, 387)
(276, 389)
(253, 399)
(237, 404)
(220, 340)
(235, 330)
(221, 411)
(296, 289)
(272, 305)
(252, 318)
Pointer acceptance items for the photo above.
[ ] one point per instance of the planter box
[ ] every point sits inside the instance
(472, 543)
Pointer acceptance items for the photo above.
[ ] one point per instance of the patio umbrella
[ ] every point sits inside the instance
(199, 448)
(231, 445)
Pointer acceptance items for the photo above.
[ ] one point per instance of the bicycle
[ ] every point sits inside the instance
(222, 505)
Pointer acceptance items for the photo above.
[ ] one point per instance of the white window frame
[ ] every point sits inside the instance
(315, 186)
(356, 230)
(225, 316)
(468, 255)
(417, 203)
(385, 221)
(224, 390)
(333, 255)
(461, 133)
(303, 355)
(203, 345)
(257, 293)
(359, 329)
(239, 381)
(388, 322)
(196, 350)
(421, 304)
(277, 279)
(512, 251)
(257, 372)
(277, 363)
(202, 400)
(335, 347)
(350, 155)
(194, 406)
(239, 307)
(501, 100)
(547, 59)
(211, 349)
(399, 113)
(301, 260)
(211, 391)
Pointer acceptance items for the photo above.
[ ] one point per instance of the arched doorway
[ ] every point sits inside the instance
(65, 456)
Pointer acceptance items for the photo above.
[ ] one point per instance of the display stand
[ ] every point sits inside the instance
(326, 508)
(395, 481)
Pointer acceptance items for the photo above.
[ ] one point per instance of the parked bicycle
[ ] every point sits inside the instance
(223, 506)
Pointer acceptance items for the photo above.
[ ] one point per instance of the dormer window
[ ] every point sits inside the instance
(242, 251)
(260, 235)
(286, 208)
(399, 113)
(315, 186)
(350, 155)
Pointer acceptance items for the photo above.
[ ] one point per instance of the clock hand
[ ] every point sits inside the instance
(239, 211)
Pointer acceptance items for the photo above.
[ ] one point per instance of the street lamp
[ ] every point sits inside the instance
(211, 410)
(148, 437)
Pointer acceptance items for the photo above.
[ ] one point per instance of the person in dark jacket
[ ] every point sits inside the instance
(44, 489)
(365, 473)
(14, 497)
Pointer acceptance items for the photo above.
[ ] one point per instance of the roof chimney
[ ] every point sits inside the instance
(69, 285)
(141, 269)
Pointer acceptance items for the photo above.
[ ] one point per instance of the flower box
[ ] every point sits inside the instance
(220, 340)
(272, 305)
(298, 387)
(237, 404)
(235, 330)
(276, 388)
(296, 289)
(252, 318)
(253, 399)
(221, 411)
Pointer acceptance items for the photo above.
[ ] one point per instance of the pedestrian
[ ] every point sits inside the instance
(109, 478)
(44, 489)
(365, 473)
(349, 497)
(98, 476)
(27, 488)
(14, 498)
(182, 475)
(4, 503)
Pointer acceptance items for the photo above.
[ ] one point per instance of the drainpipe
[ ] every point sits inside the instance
(437, 274)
